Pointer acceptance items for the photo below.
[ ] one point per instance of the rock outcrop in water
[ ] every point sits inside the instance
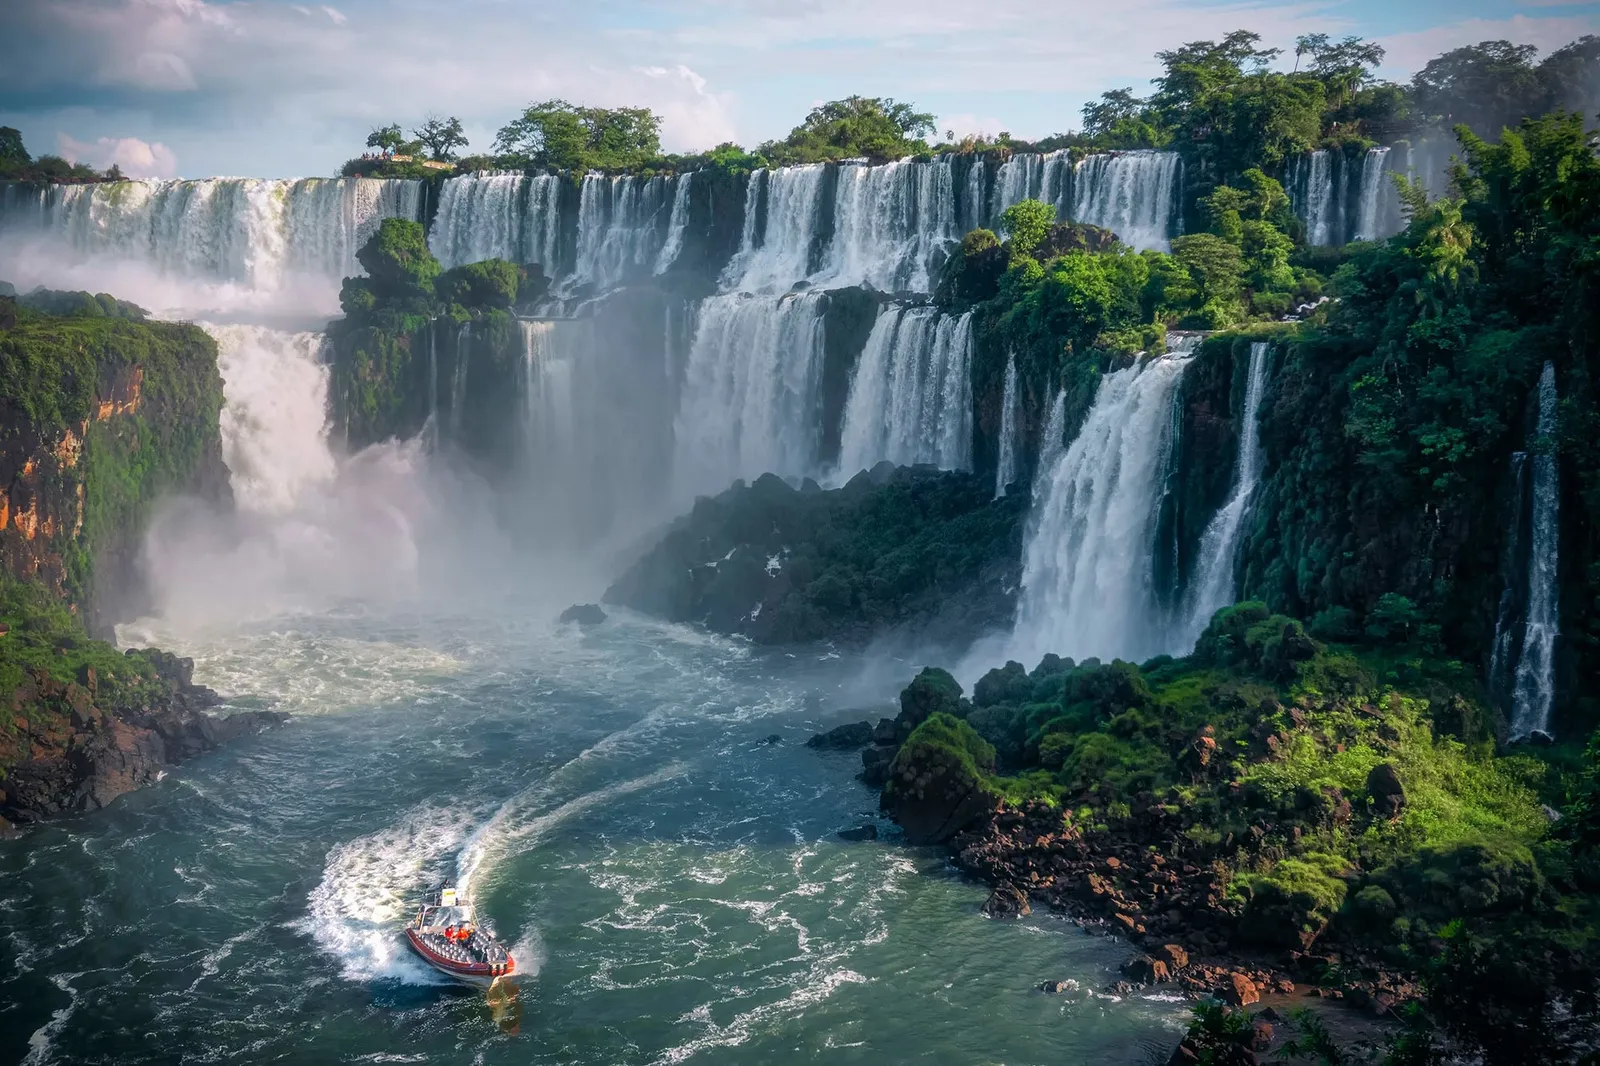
(84, 724)
(911, 550)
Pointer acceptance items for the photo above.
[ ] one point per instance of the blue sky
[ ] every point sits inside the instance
(276, 89)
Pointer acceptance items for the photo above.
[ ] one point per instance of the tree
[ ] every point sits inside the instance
(1570, 77)
(1486, 86)
(878, 128)
(12, 152)
(1026, 223)
(1342, 66)
(386, 139)
(441, 137)
(555, 133)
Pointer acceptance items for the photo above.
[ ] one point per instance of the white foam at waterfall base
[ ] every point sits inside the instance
(307, 530)
(1534, 686)
(750, 391)
(1087, 562)
(911, 398)
(1212, 586)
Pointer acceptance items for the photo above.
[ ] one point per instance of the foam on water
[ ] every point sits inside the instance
(369, 888)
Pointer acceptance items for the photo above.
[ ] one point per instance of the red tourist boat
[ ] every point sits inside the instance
(447, 935)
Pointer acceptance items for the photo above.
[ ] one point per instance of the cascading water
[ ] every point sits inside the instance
(676, 224)
(1534, 686)
(911, 399)
(1006, 467)
(254, 232)
(620, 227)
(1212, 587)
(458, 378)
(1032, 176)
(499, 216)
(892, 225)
(1370, 219)
(1087, 580)
(549, 399)
(274, 418)
(781, 213)
(750, 391)
(1312, 187)
(1133, 194)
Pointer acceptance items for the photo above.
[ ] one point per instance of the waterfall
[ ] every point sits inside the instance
(892, 225)
(679, 220)
(498, 216)
(274, 420)
(911, 399)
(750, 390)
(976, 213)
(1369, 220)
(1212, 587)
(249, 231)
(433, 384)
(1316, 204)
(548, 399)
(458, 378)
(1032, 176)
(1006, 467)
(1088, 560)
(1534, 686)
(620, 228)
(1130, 193)
(782, 210)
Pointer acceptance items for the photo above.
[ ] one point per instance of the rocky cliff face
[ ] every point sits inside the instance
(73, 746)
(100, 416)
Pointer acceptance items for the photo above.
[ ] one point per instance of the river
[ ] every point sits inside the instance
(670, 879)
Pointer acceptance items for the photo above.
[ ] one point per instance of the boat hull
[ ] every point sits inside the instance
(478, 974)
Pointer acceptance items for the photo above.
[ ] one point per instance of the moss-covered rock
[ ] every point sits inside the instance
(938, 781)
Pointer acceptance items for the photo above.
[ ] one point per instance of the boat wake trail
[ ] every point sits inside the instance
(369, 887)
(509, 829)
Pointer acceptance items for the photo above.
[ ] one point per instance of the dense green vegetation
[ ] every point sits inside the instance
(158, 433)
(1396, 411)
(382, 360)
(1346, 796)
(17, 165)
(857, 126)
(39, 635)
(891, 549)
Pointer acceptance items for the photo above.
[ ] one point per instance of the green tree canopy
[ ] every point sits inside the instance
(386, 138)
(559, 134)
(878, 128)
(1485, 86)
(1026, 223)
(441, 137)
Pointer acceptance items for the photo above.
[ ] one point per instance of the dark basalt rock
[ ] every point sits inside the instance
(1388, 794)
(93, 754)
(846, 737)
(917, 552)
(585, 614)
(860, 832)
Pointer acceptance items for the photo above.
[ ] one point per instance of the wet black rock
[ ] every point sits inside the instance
(846, 737)
(860, 832)
(585, 614)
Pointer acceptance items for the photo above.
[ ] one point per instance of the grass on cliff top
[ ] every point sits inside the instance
(44, 635)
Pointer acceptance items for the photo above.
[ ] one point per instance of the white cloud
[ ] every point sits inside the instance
(1408, 53)
(335, 14)
(138, 159)
(692, 117)
(963, 125)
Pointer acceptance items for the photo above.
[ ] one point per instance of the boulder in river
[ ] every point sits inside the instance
(585, 614)
(848, 737)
